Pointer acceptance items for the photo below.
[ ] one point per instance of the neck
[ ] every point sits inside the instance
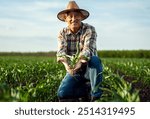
(75, 30)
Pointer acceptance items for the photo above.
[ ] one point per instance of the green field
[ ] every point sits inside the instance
(36, 78)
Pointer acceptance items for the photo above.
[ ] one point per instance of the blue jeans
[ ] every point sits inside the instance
(75, 86)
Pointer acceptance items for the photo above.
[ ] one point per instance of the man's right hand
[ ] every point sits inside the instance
(67, 67)
(69, 70)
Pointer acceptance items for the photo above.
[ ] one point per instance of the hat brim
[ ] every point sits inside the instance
(61, 15)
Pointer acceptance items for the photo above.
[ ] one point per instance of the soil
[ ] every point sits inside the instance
(144, 90)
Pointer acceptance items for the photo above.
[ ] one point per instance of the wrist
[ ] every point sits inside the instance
(82, 61)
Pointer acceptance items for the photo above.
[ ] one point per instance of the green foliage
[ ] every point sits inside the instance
(116, 89)
(29, 80)
(101, 53)
(37, 78)
(72, 60)
(124, 53)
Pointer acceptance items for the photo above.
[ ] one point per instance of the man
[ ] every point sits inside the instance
(89, 66)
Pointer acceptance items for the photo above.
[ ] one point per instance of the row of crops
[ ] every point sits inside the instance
(32, 79)
(134, 75)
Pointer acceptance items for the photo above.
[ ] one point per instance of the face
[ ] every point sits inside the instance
(73, 20)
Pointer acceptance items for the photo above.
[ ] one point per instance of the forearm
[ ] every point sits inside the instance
(84, 55)
(67, 67)
(65, 63)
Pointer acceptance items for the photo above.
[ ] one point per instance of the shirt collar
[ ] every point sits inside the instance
(79, 31)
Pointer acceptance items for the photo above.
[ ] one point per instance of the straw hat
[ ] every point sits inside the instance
(72, 6)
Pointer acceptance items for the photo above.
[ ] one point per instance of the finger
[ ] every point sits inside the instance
(75, 70)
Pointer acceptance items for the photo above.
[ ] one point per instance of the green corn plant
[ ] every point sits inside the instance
(74, 58)
(117, 89)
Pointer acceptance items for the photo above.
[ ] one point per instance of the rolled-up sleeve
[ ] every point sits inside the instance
(89, 48)
(62, 45)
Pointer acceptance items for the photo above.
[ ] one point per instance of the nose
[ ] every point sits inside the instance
(73, 18)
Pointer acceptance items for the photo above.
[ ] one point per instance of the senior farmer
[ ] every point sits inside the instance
(89, 66)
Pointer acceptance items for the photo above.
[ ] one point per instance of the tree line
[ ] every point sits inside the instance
(101, 53)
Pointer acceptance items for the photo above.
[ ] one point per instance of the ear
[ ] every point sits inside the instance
(65, 17)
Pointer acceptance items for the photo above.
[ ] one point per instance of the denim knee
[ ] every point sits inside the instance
(64, 92)
(67, 87)
(95, 61)
(61, 93)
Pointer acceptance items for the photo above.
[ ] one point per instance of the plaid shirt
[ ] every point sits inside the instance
(86, 37)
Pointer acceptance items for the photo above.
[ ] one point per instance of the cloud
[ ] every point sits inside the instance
(27, 44)
(30, 19)
(118, 35)
(118, 23)
(10, 27)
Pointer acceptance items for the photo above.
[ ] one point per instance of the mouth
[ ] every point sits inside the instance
(74, 23)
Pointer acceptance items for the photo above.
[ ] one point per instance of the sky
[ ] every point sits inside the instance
(32, 25)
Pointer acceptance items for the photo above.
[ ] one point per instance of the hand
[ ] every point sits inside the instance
(67, 67)
(77, 67)
(69, 70)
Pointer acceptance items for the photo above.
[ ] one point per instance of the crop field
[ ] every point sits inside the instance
(36, 79)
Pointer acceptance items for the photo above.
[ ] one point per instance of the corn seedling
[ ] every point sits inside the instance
(72, 60)
(37, 79)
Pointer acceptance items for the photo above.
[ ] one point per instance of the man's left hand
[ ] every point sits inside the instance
(77, 66)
